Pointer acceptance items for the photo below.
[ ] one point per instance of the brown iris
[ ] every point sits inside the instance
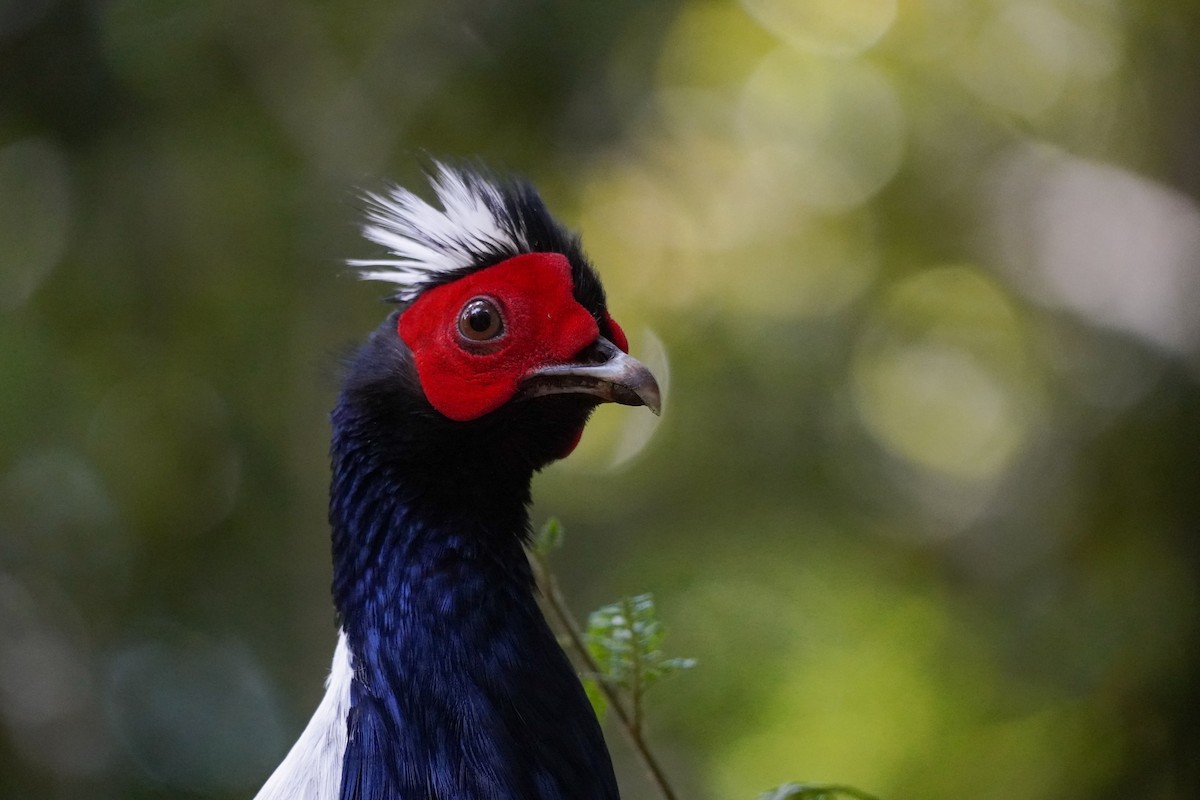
(480, 320)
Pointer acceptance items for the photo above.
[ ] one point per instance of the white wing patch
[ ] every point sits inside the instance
(425, 240)
(312, 769)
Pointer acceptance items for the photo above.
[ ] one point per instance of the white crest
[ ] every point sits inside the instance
(425, 240)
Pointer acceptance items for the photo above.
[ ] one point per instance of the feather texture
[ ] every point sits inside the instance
(460, 690)
(472, 225)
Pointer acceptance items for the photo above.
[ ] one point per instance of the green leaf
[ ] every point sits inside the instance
(596, 696)
(549, 538)
(625, 639)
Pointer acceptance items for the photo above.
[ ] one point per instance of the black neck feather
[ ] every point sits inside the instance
(460, 689)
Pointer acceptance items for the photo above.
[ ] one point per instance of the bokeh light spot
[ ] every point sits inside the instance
(47, 702)
(195, 714)
(831, 133)
(42, 679)
(940, 379)
(843, 664)
(1116, 247)
(712, 45)
(1026, 54)
(57, 502)
(831, 27)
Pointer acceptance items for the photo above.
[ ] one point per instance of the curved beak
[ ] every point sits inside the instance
(603, 371)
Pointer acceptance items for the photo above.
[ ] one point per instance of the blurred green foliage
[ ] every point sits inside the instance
(802, 791)
(923, 501)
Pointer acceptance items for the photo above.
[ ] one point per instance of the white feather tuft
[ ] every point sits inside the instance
(312, 769)
(427, 241)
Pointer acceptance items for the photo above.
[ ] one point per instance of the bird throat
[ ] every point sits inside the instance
(460, 688)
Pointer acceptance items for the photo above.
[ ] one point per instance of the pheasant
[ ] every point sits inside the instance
(446, 680)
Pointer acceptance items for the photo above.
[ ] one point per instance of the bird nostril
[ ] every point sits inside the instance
(600, 351)
(589, 355)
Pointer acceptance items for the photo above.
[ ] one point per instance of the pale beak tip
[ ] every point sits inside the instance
(651, 397)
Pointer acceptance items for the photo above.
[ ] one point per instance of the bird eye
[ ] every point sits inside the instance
(480, 320)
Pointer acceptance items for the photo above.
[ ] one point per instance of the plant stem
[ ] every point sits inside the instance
(636, 691)
(631, 724)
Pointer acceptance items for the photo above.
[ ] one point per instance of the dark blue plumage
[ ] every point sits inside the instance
(460, 688)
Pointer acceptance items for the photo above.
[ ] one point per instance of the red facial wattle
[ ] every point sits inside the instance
(543, 324)
(618, 336)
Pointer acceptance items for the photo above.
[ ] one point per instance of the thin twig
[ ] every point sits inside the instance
(630, 724)
(636, 691)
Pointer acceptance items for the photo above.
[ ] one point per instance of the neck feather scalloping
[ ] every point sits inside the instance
(460, 688)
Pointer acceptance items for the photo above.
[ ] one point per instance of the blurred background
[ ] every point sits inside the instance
(924, 501)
